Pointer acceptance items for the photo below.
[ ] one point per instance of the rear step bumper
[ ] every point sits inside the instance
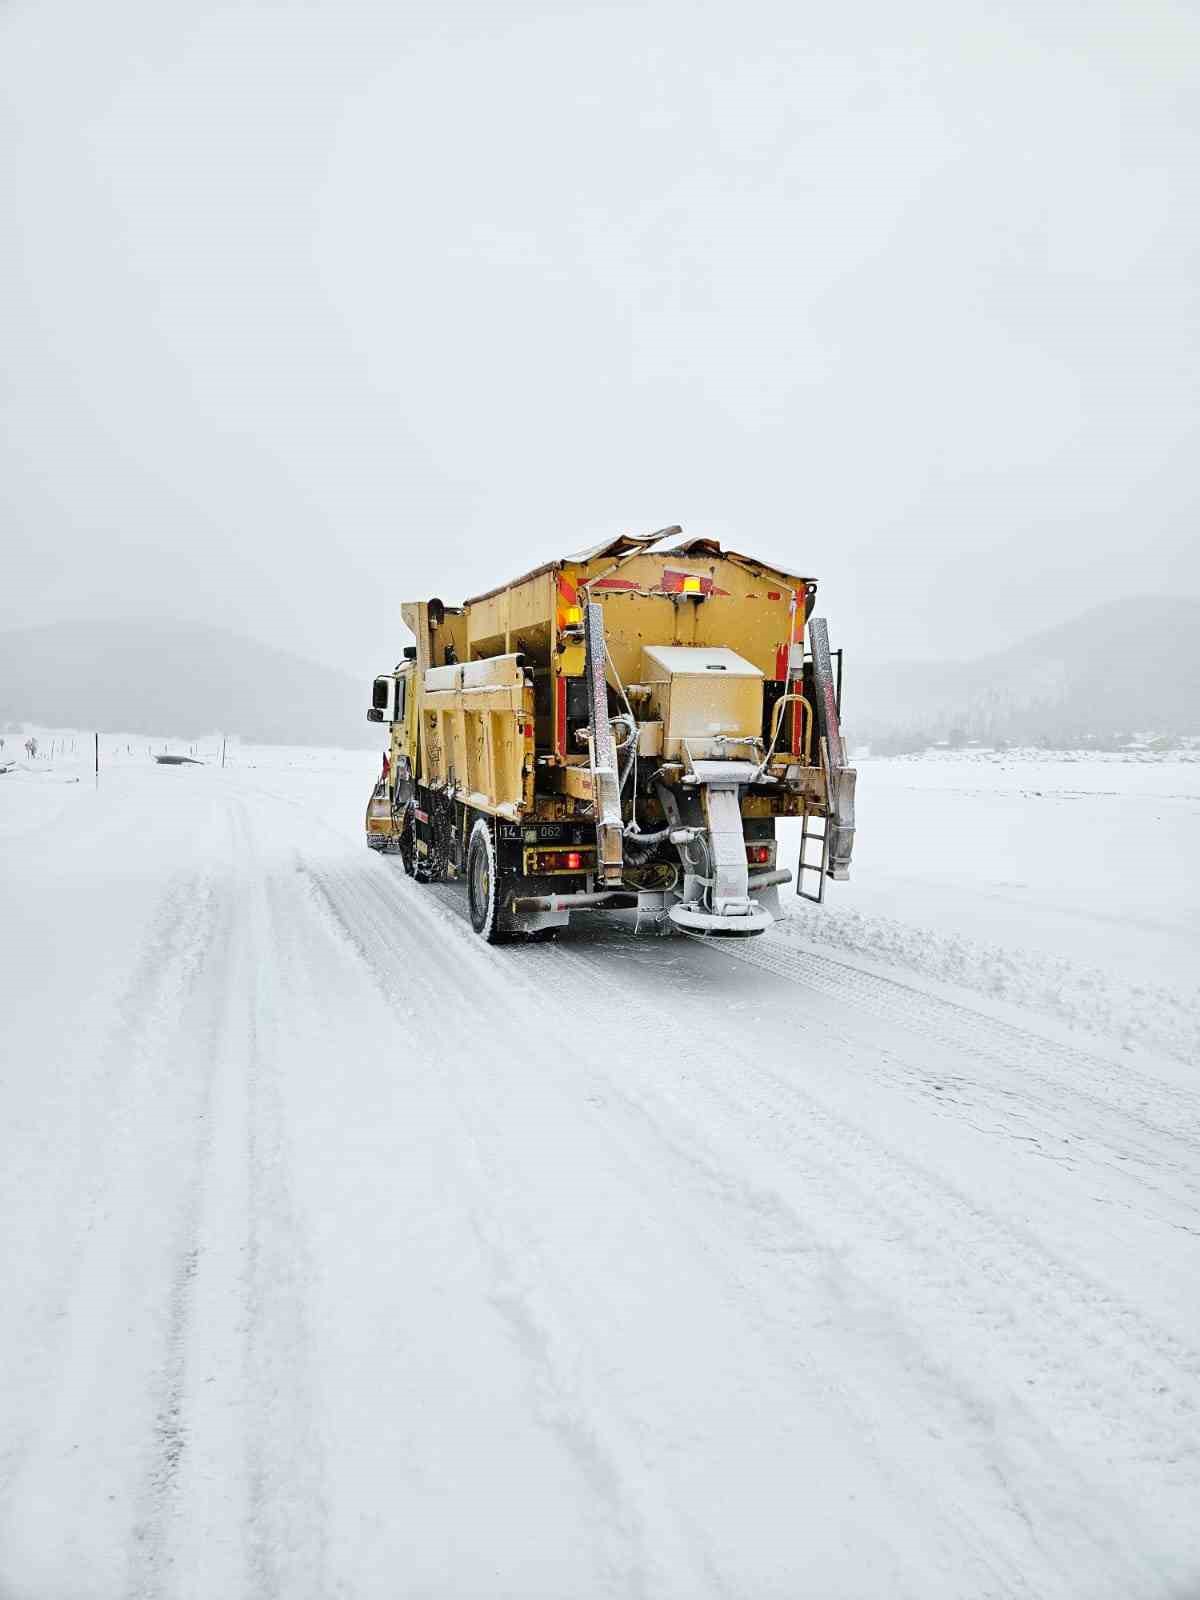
(612, 899)
(617, 899)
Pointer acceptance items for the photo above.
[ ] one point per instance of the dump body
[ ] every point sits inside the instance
(477, 720)
(615, 718)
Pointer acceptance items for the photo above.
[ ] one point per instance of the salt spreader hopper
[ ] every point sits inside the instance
(619, 729)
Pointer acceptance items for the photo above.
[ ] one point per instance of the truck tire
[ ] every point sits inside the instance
(483, 886)
(408, 848)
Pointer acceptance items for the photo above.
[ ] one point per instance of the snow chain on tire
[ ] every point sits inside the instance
(483, 886)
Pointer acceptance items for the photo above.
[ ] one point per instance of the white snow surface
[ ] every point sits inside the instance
(346, 1256)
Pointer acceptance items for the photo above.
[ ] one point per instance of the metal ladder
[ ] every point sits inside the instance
(811, 835)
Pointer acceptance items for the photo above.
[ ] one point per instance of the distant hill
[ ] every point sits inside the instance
(176, 678)
(1130, 666)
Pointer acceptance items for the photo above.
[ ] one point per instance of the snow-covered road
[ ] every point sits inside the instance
(345, 1256)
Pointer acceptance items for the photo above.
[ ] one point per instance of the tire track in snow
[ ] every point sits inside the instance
(91, 1405)
(198, 1042)
(600, 1416)
(621, 1535)
(231, 1499)
(1083, 1074)
(287, 1514)
(1116, 1092)
(92, 1128)
(849, 1137)
(1131, 1357)
(1007, 1102)
(737, 1198)
(1016, 1084)
(1180, 1359)
(236, 1502)
(1028, 1086)
(966, 1271)
(629, 1534)
(592, 958)
(968, 1267)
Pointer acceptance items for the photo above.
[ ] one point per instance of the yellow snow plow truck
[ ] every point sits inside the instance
(618, 729)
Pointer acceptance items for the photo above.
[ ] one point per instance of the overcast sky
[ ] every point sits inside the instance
(310, 307)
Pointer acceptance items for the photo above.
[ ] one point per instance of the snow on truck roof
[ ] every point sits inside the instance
(623, 543)
(670, 539)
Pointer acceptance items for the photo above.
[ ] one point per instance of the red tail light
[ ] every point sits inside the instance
(758, 855)
(559, 861)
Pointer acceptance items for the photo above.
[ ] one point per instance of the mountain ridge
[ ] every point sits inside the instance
(1125, 666)
(148, 675)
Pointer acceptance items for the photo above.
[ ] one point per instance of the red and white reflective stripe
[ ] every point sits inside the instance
(568, 596)
(673, 581)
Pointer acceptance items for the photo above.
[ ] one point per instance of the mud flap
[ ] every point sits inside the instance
(841, 822)
(727, 849)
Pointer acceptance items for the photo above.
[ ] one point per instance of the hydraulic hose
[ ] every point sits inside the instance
(637, 837)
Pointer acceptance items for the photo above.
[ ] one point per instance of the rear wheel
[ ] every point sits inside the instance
(408, 846)
(483, 888)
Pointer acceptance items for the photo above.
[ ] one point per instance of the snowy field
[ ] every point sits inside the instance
(345, 1256)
